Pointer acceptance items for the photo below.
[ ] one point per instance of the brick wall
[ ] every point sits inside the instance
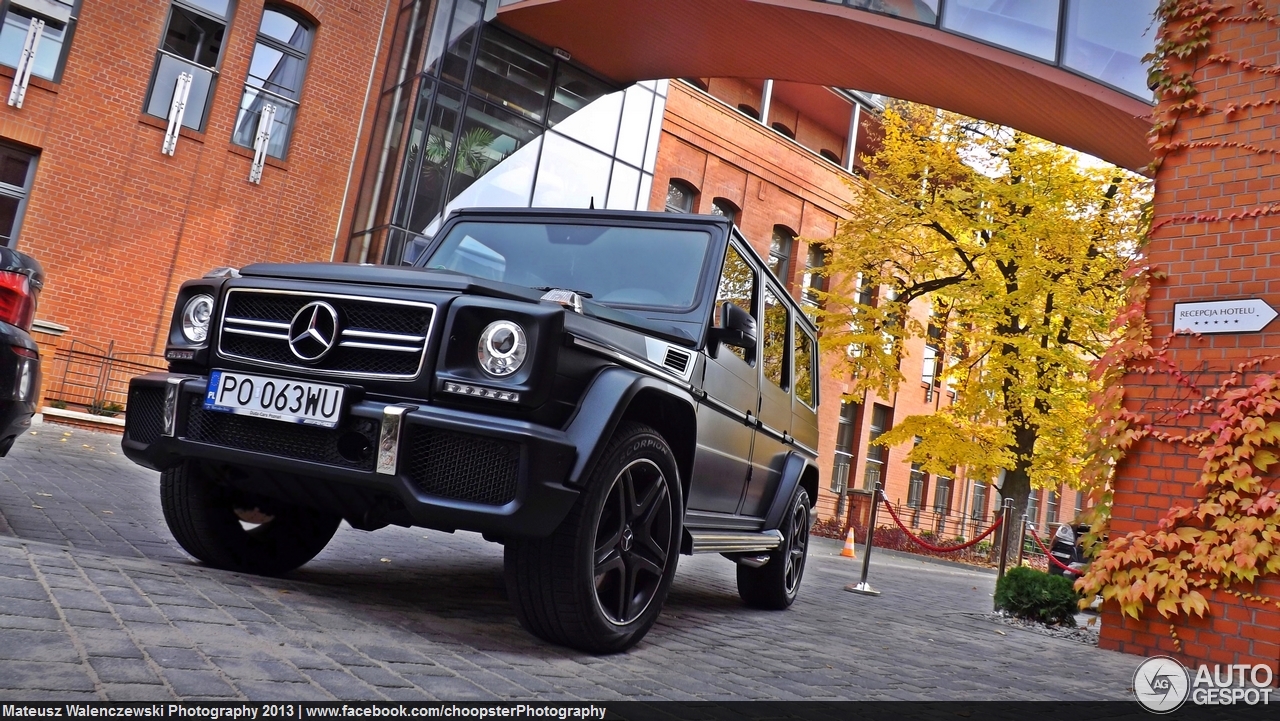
(1208, 261)
(118, 225)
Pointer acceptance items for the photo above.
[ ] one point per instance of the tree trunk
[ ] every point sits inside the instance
(1017, 487)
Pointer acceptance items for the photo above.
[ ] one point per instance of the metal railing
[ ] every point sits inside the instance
(96, 380)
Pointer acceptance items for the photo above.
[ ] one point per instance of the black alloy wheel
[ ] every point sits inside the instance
(776, 584)
(633, 542)
(597, 583)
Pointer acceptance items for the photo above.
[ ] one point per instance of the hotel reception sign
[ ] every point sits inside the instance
(1222, 316)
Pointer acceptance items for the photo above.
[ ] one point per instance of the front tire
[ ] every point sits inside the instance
(205, 517)
(598, 582)
(775, 585)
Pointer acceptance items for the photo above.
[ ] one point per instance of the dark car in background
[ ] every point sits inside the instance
(21, 278)
(599, 391)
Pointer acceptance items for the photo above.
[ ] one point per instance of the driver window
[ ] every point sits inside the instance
(737, 286)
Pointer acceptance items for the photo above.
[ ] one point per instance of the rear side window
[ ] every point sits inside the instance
(804, 375)
(777, 323)
(737, 286)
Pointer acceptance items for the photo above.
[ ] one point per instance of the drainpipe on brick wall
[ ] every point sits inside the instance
(855, 118)
(355, 147)
(766, 99)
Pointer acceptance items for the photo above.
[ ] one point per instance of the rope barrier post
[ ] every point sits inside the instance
(862, 586)
(1006, 519)
(1022, 538)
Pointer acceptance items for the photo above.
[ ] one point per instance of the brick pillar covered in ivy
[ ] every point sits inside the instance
(1215, 236)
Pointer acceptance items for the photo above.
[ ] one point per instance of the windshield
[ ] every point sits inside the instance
(627, 266)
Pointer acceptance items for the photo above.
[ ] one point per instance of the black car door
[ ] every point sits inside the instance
(769, 451)
(726, 418)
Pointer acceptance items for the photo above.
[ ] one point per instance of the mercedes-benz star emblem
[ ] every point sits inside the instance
(313, 332)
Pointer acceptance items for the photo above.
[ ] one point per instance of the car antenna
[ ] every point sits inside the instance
(593, 203)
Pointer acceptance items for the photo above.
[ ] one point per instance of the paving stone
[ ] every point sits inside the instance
(123, 670)
(206, 684)
(136, 692)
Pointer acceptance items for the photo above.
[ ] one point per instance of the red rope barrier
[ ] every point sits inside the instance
(1049, 555)
(929, 546)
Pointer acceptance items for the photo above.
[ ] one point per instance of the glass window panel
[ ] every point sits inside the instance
(925, 11)
(276, 72)
(724, 209)
(634, 131)
(384, 148)
(776, 322)
(1027, 26)
(655, 131)
(13, 169)
(804, 367)
(1107, 40)
(194, 37)
(622, 187)
(780, 253)
(13, 35)
(167, 71)
(214, 7)
(574, 90)
(251, 105)
(407, 42)
(509, 184)
(737, 286)
(570, 175)
(439, 34)
(646, 191)
(512, 73)
(8, 216)
(595, 125)
(462, 38)
(488, 136)
(279, 26)
(429, 156)
(679, 198)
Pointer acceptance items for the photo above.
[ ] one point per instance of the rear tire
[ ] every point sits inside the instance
(598, 582)
(205, 518)
(775, 585)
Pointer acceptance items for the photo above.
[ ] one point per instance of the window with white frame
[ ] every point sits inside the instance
(274, 85)
(37, 34)
(187, 61)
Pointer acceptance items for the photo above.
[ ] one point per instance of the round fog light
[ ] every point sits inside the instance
(195, 318)
(502, 348)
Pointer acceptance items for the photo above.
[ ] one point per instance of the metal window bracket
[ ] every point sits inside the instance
(265, 122)
(389, 437)
(26, 61)
(178, 108)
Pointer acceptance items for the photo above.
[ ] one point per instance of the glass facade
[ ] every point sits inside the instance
(473, 116)
(1100, 39)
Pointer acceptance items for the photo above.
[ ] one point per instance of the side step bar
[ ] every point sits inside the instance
(734, 541)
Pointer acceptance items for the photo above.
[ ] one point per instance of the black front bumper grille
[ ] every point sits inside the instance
(144, 416)
(351, 445)
(461, 466)
(262, 319)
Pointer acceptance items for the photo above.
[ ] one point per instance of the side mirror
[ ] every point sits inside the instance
(737, 328)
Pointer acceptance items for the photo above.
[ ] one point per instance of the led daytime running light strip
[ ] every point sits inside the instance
(478, 392)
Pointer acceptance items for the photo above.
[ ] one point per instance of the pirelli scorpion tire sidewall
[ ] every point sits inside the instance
(598, 582)
(202, 515)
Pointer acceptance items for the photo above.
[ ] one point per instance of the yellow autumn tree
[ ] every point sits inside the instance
(1020, 248)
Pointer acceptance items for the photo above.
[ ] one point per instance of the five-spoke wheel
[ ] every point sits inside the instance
(776, 584)
(598, 582)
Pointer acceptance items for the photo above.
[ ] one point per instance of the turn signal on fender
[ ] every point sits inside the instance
(849, 546)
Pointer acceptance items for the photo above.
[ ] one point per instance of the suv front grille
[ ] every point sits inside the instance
(378, 338)
(350, 445)
(462, 466)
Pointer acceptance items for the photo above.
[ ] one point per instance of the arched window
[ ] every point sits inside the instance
(720, 206)
(830, 155)
(698, 83)
(781, 128)
(749, 111)
(275, 78)
(780, 252)
(680, 197)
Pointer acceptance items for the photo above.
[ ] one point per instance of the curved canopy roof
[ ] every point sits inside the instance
(833, 43)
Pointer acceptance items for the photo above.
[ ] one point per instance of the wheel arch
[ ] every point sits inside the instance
(798, 471)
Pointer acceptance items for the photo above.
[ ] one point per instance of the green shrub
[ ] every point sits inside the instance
(1037, 596)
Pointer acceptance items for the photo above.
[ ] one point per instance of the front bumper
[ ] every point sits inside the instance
(442, 468)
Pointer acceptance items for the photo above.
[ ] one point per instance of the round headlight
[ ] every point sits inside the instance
(502, 348)
(195, 318)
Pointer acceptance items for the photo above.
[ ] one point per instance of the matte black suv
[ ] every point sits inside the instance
(596, 390)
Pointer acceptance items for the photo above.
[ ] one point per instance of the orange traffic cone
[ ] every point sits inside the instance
(848, 551)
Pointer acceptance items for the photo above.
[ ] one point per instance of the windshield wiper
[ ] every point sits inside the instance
(545, 288)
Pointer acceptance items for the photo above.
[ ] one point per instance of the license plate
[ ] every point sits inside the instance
(313, 404)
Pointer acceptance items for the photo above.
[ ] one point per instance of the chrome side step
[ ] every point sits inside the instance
(734, 541)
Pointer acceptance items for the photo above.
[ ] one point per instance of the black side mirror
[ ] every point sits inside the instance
(737, 328)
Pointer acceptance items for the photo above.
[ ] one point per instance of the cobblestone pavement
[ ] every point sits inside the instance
(98, 602)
